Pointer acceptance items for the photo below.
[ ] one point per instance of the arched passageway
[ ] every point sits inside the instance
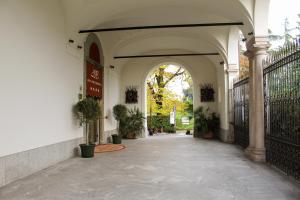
(55, 62)
(136, 71)
(169, 99)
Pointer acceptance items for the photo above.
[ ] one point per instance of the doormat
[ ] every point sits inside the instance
(108, 148)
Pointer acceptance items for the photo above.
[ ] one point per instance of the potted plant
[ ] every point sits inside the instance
(214, 124)
(120, 114)
(134, 123)
(188, 132)
(87, 110)
(200, 125)
(206, 125)
(150, 131)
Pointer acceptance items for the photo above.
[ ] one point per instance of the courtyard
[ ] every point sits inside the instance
(167, 167)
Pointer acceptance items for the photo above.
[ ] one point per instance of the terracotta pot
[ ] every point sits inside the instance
(131, 136)
(208, 135)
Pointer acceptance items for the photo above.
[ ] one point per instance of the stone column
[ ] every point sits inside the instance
(256, 51)
(232, 73)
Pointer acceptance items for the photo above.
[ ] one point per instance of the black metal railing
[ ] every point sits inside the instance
(282, 109)
(241, 112)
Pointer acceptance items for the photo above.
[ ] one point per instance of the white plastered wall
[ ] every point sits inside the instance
(40, 76)
(41, 73)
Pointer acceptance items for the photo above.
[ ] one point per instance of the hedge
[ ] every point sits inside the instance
(161, 121)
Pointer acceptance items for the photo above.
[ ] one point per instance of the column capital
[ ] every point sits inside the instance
(257, 46)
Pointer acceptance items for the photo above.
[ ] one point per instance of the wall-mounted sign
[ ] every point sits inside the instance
(93, 81)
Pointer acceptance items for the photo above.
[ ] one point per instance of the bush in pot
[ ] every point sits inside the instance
(214, 124)
(206, 125)
(200, 125)
(120, 114)
(87, 110)
(134, 123)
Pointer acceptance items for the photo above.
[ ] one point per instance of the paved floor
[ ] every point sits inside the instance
(163, 167)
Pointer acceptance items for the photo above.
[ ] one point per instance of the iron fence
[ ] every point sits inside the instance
(241, 112)
(282, 109)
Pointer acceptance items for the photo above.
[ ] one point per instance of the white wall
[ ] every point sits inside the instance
(112, 97)
(41, 73)
(202, 71)
(40, 76)
(112, 81)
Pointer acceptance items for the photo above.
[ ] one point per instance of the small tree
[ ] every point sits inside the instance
(87, 110)
(120, 114)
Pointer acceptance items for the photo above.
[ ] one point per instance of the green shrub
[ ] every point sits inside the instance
(120, 114)
(171, 129)
(205, 121)
(87, 110)
(160, 121)
(134, 123)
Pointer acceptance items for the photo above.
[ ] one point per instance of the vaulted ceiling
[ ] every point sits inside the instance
(91, 14)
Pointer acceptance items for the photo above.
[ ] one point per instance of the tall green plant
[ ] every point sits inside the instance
(201, 125)
(205, 122)
(214, 123)
(135, 122)
(120, 114)
(87, 110)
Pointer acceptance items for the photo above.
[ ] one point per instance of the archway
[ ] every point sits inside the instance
(169, 99)
(94, 83)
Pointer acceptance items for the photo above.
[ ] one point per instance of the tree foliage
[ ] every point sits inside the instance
(160, 99)
(169, 101)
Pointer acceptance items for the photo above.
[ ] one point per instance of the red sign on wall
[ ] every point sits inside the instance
(93, 81)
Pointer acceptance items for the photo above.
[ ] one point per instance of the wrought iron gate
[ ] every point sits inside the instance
(241, 112)
(282, 110)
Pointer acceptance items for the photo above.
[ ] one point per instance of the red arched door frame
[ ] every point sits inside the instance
(94, 73)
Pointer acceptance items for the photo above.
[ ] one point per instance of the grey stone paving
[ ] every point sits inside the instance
(162, 167)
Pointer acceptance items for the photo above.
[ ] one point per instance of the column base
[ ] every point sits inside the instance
(231, 134)
(256, 154)
(226, 136)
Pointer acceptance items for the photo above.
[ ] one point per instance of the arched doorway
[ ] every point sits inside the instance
(93, 83)
(169, 101)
